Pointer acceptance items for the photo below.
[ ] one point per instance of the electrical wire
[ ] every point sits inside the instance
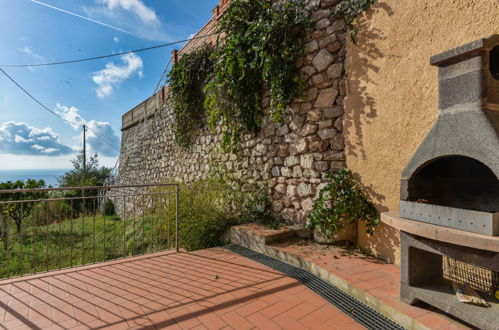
(104, 139)
(36, 100)
(105, 56)
(52, 112)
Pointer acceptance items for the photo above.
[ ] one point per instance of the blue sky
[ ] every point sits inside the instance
(96, 93)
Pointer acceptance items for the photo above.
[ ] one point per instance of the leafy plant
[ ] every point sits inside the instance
(256, 208)
(341, 201)
(19, 211)
(109, 208)
(186, 96)
(204, 213)
(350, 10)
(92, 175)
(263, 41)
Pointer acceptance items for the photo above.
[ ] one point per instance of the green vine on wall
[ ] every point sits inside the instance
(350, 10)
(342, 201)
(186, 82)
(263, 42)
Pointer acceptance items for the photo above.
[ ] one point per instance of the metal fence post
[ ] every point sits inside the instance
(176, 218)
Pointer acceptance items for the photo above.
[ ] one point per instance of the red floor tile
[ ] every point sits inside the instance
(209, 289)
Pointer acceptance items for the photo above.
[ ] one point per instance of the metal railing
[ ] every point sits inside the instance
(57, 228)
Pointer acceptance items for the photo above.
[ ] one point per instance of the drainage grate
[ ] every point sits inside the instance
(358, 311)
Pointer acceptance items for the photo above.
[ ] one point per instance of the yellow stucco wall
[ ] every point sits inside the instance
(392, 91)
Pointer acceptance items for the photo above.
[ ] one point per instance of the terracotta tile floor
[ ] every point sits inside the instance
(379, 279)
(209, 289)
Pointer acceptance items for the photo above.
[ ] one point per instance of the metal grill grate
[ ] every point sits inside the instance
(358, 311)
(478, 278)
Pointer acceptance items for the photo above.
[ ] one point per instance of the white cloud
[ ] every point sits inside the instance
(116, 39)
(22, 139)
(134, 16)
(136, 7)
(36, 57)
(101, 138)
(114, 74)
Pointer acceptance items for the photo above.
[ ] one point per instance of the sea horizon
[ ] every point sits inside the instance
(50, 176)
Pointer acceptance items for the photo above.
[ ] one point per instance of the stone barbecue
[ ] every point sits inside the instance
(451, 188)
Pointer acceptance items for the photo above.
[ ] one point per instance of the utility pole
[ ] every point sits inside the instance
(84, 149)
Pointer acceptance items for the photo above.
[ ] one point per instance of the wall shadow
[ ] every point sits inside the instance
(360, 106)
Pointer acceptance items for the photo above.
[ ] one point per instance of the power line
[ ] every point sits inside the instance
(36, 100)
(52, 112)
(105, 56)
(104, 139)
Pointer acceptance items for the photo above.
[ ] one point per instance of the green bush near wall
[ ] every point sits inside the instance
(209, 207)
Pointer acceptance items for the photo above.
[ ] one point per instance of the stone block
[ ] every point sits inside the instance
(282, 130)
(322, 23)
(327, 133)
(307, 204)
(320, 14)
(311, 94)
(311, 174)
(297, 172)
(298, 148)
(291, 161)
(314, 115)
(324, 41)
(307, 161)
(322, 60)
(280, 188)
(322, 166)
(338, 124)
(311, 46)
(308, 129)
(304, 189)
(326, 98)
(286, 172)
(276, 171)
(336, 25)
(308, 71)
(290, 137)
(338, 143)
(318, 79)
(291, 191)
(318, 146)
(325, 124)
(335, 166)
(334, 47)
(335, 70)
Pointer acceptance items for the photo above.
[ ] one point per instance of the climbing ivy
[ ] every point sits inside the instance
(342, 201)
(262, 43)
(350, 10)
(186, 81)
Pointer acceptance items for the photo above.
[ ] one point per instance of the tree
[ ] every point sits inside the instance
(79, 176)
(14, 211)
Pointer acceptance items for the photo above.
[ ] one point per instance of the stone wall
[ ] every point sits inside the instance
(291, 158)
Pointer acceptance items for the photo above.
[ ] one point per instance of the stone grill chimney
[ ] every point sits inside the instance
(452, 179)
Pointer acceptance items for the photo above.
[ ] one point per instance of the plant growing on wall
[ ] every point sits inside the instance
(340, 202)
(186, 96)
(263, 41)
(350, 10)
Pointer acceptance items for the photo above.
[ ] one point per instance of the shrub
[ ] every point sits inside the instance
(204, 212)
(341, 201)
(109, 208)
(256, 208)
(50, 212)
